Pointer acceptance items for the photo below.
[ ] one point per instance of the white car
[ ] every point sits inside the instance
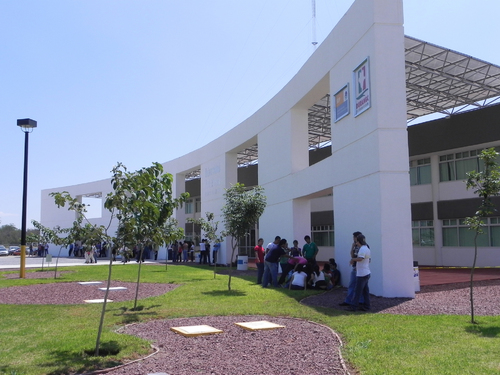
(3, 250)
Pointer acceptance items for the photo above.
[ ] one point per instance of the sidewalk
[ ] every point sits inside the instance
(14, 262)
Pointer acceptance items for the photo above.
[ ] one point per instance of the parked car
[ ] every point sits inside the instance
(3, 250)
(18, 251)
(12, 249)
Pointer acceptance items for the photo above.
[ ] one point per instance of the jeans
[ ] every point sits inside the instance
(270, 272)
(285, 269)
(362, 289)
(352, 288)
(260, 272)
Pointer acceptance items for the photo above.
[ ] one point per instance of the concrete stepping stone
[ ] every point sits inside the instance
(259, 325)
(191, 331)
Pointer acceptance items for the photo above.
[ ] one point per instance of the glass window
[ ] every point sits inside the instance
(197, 206)
(450, 237)
(420, 172)
(423, 233)
(323, 235)
(495, 236)
(188, 206)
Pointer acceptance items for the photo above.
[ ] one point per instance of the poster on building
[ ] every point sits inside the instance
(341, 103)
(362, 99)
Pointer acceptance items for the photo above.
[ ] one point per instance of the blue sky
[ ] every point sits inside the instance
(145, 81)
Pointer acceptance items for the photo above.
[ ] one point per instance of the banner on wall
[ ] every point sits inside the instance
(362, 98)
(341, 103)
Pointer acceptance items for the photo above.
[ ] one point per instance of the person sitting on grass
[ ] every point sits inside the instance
(299, 278)
(318, 280)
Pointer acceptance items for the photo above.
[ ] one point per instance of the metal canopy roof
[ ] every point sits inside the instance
(445, 81)
(438, 80)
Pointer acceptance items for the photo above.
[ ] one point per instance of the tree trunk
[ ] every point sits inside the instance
(138, 278)
(57, 261)
(472, 320)
(103, 311)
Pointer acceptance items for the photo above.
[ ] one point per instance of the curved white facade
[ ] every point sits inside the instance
(365, 179)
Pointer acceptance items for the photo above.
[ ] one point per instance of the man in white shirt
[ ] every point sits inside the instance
(362, 275)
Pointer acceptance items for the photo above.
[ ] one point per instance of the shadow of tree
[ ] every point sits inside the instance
(67, 362)
(485, 331)
(225, 293)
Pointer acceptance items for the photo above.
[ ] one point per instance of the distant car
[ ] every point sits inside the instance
(18, 251)
(3, 250)
(12, 249)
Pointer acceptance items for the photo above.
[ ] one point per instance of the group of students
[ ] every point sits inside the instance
(299, 269)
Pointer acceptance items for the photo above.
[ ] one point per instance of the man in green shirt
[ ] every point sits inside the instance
(310, 250)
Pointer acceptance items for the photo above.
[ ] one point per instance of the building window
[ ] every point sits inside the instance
(456, 166)
(188, 206)
(420, 172)
(323, 235)
(197, 205)
(423, 233)
(457, 233)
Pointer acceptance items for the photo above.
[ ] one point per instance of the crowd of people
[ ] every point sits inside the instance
(183, 252)
(300, 270)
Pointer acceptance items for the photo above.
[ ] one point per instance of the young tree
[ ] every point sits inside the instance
(241, 212)
(142, 202)
(210, 227)
(486, 184)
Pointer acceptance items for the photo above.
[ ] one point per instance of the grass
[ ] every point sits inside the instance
(53, 339)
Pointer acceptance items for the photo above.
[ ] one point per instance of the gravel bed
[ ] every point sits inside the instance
(75, 293)
(450, 299)
(301, 347)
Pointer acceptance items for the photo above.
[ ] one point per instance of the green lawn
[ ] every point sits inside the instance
(53, 339)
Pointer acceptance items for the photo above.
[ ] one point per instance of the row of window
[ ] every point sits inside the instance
(456, 233)
(452, 167)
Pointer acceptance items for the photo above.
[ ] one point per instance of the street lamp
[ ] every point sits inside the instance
(27, 125)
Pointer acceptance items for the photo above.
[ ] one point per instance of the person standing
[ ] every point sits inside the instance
(362, 275)
(271, 263)
(207, 250)
(295, 250)
(215, 252)
(352, 278)
(273, 245)
(259, 259)
(203, 252)
(310, 250)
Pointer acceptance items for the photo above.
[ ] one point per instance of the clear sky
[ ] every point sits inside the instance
(145, 81)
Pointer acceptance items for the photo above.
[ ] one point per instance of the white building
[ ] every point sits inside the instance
(343, 167)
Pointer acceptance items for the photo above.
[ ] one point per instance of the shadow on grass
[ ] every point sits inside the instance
(131, 315)
(7, 370)
(225, 293)
(485, 331)
(66, 362)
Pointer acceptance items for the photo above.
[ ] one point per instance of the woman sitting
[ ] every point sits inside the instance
(299, 278)
(318, 280)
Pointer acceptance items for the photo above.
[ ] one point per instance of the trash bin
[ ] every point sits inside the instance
(242, 263)
(416, 276)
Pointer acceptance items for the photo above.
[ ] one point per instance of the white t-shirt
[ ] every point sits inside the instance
(299, 278)
(202, 246)
(363, 266)
(316, 278)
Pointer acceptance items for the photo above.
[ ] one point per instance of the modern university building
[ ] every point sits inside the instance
(351, 160)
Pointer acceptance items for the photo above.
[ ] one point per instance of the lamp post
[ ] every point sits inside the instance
(27, 125)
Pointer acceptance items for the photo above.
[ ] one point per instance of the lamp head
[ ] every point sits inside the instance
(26, 124)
